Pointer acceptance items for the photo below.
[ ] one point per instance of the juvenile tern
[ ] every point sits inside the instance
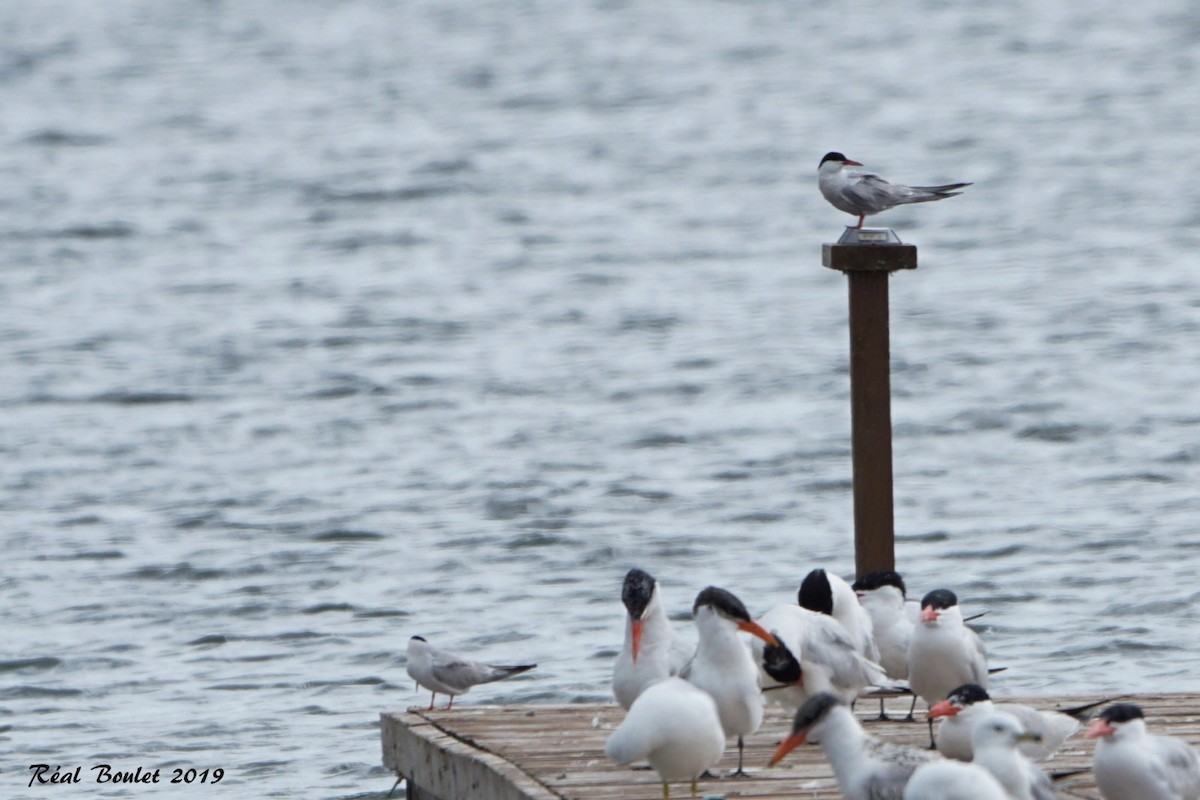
(723, 666)
(969, 703)
(652, 650)
(1131, 764)
(445, 673)
(673, 725)
(865, 767)
(864, 193)
(953, 780)
(995, 739)
(943, 652)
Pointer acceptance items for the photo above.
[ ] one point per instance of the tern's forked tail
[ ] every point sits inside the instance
(503, 672)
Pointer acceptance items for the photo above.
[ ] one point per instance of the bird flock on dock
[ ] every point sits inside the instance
(685, 703)
(837, 643)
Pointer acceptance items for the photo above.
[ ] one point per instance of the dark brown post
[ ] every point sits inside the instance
(868, 258)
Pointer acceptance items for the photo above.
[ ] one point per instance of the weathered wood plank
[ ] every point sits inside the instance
(557, 752)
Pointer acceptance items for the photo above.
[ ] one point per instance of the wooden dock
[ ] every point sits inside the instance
(556, 752)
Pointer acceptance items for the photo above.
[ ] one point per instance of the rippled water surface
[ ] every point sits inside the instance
(325, 324)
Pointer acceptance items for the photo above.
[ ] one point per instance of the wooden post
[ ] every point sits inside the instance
(868, 258)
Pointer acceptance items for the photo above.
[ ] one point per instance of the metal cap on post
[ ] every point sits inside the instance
(868, 256)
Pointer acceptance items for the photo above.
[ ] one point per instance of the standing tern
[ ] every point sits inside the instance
(866, 768)
(1131, 764)
(829, 594)
(652, 650)
(969, 703)
(995, 739)
(864, 193)
(445, 673)
(883, 596)
(723, 666)
(953, 780)
(943, 652)
(673, 725)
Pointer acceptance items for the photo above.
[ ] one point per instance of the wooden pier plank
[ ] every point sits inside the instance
(556, 752)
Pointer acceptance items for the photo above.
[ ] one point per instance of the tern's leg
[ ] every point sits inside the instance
(739, 772)
(399, 778)
(911, 708)
(666, 791)
(450, 703)
(883, 717)
(932, 744)
(693, 788)
(432, 697)
(861, 219)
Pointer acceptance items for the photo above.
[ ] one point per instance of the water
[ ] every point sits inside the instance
(325, 324)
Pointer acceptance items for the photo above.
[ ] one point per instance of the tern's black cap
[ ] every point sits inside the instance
(878, 579)
(814, 710)
(832, 156)
(418, 638)
(779, 663)
(637, 591)
(967, 694)
(723, 601)
(815, 592)
(939, 598)
(1122, 712)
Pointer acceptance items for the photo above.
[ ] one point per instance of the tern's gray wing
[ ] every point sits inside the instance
(874, 194)
(1039, 783)
(887, 782)
(1180, 765)
(978, 655)
(827, 642)
(460, 674)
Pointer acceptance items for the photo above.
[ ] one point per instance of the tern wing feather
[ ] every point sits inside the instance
(1181, 766)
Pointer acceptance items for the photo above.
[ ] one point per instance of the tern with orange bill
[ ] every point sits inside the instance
(865, 193)
(1132, 764)
(943, 653)
(865, 767)
(967, 704)
(723, 666)
(652, 651)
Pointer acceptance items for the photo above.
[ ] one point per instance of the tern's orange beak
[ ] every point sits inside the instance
(850, 163)
(751, 627)
(637, 637)
(929, 614)
(943, 709)
(786, 746)
(1099, 728)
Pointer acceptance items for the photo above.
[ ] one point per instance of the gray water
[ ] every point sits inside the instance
(325, 324)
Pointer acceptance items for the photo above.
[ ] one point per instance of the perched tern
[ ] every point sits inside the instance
(723, 666)
(953, 780)
(969, 703)
(883, 596)
(864, 193)
(673, 725)
(1131, 764)
(652, 650)
(995, 739)
(814, 654)
(943, 652)
(829, 594)
(866, 768)
(445, 673)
